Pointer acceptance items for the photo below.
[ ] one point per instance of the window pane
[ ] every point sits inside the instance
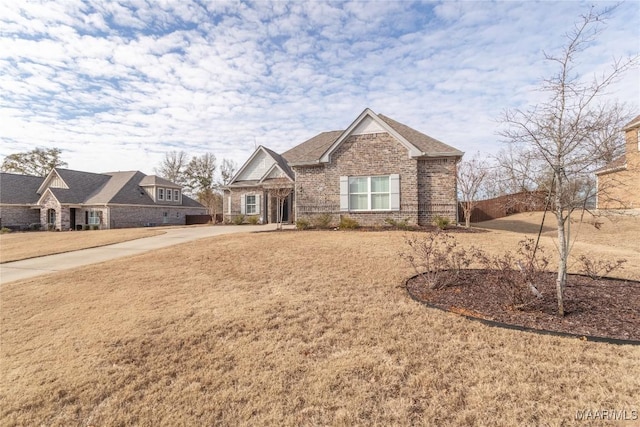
(358, 202)
(379, 201)
(358, 185)
(380, 184)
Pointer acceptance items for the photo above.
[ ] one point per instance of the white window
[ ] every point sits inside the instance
(370, 193)
(250, 205)
(176, 195)
(94, 217)
(160, 193)
(168, 194)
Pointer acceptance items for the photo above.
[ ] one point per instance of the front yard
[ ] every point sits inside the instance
(290, 328)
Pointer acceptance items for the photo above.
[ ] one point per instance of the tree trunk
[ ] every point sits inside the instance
(561, 279)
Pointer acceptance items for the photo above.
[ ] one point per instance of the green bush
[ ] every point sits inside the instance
(36, 226)
(4, 230)
(238, 219)
(86, 227)
(95, 227)
(302, 224)
(441, 222)
(51, 227)
(322, 221)
(348, 223)
(253, 220)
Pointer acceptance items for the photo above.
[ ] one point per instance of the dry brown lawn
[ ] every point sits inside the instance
(289, 328)
(17, 246)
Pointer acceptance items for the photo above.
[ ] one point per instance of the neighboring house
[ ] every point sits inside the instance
(375, 169)
(619, 181)
(68, 200)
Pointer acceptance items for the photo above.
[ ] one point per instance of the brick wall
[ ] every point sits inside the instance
(236, 195)
(427, 187)
(18, 216)
(621, 189)
(62, 220)
(140, 216)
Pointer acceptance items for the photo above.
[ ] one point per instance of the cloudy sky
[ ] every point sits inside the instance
(115, 85)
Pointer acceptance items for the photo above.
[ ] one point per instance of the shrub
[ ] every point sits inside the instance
(36, 226)
(348, 223)
(598, 268)
(437, 258)
(4, 230)
(322, 221)
(518, 276)
(95, 227)
(238, 219)
(441, 222)
(51, 227)
(402, 225)
(86, 227)
(302, 224)
(253, 219)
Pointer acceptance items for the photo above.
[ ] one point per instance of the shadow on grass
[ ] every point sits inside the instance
(515, 226)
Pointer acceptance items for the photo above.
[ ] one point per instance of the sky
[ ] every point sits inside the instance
(117, 84)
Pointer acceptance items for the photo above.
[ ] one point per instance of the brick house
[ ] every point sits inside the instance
(375, 169)
(619, 181)
(68, 200)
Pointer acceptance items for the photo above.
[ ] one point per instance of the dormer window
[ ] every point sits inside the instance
(160, 193)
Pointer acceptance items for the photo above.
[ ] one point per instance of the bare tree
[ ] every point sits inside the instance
(471, 176)
(173, 167)
(228, 169)
(38, 162)
(560, 129)
(279, 189)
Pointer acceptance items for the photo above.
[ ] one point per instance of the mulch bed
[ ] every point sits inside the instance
(602, 307)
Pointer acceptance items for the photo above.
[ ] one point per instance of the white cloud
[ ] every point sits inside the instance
(115, 85)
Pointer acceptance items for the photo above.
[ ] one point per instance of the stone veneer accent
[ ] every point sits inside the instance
(621, 189)
(427, 186)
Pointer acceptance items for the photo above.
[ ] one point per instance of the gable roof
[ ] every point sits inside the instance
(319, 148)
(632, 124)
(279, 161)
(89, 188)
(19, 189)
(312, 149)
(80, 184)
(613, 166)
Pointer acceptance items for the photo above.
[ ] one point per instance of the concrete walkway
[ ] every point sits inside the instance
(18, 270)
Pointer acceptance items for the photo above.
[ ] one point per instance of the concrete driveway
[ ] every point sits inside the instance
(27, 268)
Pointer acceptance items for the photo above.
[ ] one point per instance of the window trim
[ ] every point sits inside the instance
(168, 195)
(369, 193)
(176, 195)
(254, 205)
(93, 215)
(160, 193)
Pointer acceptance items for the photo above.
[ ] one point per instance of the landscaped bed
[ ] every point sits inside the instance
(594, 307)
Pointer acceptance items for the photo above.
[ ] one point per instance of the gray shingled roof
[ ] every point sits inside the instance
(86, 188)
(19, 189)
(311, 150)
(150, 180)
(82, 185)
(425, 143)
(281, 161)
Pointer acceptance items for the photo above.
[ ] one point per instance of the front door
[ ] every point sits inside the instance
(285, 210)
(72, 218)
